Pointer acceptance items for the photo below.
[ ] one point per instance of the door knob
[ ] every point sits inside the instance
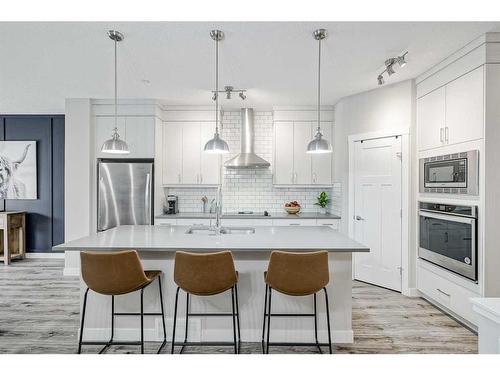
(359, 218)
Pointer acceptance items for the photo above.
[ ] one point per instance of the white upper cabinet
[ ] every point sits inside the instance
(301, 159)
(465, 107)
(184, 162)
(137, 131)
(209, 163)
(191, 153)
(172, 153)
(453, 113)
(283, 153)
(431, 119)
(292, 165)
(322, 163)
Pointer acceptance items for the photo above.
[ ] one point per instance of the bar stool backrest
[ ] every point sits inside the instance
(298, 274)
(113, 273)
(205, 274)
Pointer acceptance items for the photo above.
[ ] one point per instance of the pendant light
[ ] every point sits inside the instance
(319, 145)
(115, 145)
(216, 145)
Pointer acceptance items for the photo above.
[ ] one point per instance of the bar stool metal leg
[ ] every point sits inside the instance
(83, 320)
(175, 319)
(264, 322)
(269, 320)
(162, 318)
(316, 325)
(187, 324)
(238, 316)
(106, 347)
(142, 321)
(328, 321)
(234, 322)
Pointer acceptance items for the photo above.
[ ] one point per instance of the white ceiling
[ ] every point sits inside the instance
(44, 63)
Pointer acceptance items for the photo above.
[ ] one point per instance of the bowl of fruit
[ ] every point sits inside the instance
(292, 207)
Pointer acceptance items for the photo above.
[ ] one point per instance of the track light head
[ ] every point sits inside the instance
(401, 60)
(380, 80)
(214, 97)
(390, 70)
(242, 96)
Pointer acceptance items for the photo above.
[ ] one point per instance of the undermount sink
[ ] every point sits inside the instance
(211, 231)
(237, 230)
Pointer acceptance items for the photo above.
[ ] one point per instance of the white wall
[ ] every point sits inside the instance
(389, 107)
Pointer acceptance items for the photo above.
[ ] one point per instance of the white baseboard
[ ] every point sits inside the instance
(71, 271)
(45, 255)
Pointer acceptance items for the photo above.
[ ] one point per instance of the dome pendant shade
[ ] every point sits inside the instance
(319, 145)
(115, 146)
(216, 145)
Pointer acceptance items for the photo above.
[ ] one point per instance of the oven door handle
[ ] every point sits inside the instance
(455, 218)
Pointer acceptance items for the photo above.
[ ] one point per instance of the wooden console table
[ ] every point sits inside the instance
(12, 235)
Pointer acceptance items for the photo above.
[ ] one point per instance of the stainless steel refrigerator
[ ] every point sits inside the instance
(125, 193)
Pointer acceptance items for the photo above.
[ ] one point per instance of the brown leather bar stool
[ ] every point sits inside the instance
(296, 274)
(206, 274)
(115, 274)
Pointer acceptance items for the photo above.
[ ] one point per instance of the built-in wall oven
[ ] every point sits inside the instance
(456, 173)
(448, 237)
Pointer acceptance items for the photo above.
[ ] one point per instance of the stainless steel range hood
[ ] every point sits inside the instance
(247, 158)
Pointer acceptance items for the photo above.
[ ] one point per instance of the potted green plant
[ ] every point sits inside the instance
(322, 201)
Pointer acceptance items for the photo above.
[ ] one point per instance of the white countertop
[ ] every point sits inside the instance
(488, 307)
(172, 238)
(272, 215)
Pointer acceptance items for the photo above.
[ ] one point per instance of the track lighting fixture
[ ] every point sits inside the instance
(229, 91)
(389, 67)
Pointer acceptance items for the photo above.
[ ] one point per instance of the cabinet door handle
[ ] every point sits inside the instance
(446, 131)
(292, 176)
(314, 178)
(179, 178)
(441, 135)
(294, 224)
(440, 291)
(296, 177)
(201, 178)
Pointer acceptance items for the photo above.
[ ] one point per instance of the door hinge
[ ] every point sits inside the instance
(400, 271)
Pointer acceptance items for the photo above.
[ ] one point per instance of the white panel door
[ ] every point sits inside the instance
(191, 151)
(301, 160)
(210, 167)
(140, 136)
(431, 119)
(322, 163)
(172, 153)
(104, 130)
(377, 211)
(283, 153)
(465, 107)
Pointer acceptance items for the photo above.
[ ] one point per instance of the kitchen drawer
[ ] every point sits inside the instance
(294, 222)
(247, 222)
(194, 221)
(447, 293)
(333, 223)
(162, 221)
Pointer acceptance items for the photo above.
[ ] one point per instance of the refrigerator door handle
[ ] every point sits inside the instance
(147, 198)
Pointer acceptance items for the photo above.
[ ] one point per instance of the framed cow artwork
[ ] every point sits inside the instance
(18, 170)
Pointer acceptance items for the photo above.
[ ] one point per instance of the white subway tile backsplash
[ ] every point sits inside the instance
(253, 189)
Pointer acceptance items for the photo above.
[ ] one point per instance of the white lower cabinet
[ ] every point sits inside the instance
(247, 222)
(294, 222)
(448, 294)
(163, 221)
(332, 223)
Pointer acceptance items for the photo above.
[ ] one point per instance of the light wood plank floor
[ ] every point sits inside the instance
(39, 314)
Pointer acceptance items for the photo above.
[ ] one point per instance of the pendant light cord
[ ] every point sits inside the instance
(217, 83)
(319, 85)
(116, 93)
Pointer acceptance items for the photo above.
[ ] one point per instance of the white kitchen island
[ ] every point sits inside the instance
(157, 245)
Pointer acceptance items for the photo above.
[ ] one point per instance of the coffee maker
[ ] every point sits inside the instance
(172, 206)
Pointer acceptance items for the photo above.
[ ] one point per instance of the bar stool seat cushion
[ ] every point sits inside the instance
(297, 274)
(115, 273)
(205, 274)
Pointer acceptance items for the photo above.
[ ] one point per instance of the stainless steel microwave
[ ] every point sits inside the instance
(451, 174)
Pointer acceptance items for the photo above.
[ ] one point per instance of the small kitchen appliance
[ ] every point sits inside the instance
(172, 206)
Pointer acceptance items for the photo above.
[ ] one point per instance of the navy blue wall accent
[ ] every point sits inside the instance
(45, 215)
